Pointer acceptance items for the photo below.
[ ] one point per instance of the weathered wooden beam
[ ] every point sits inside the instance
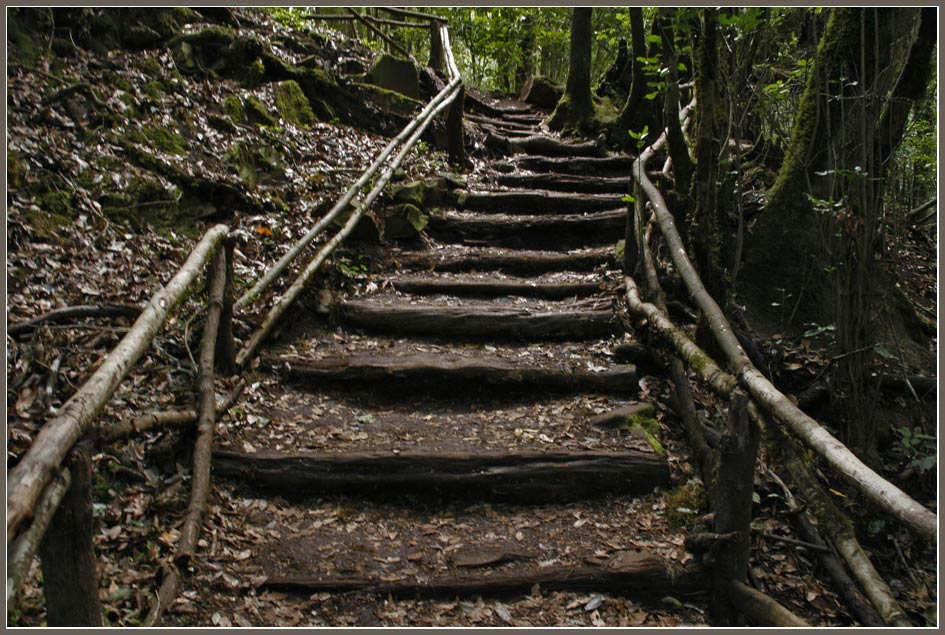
(508, 261)
(563, 230)
(617, 185)
(480, 321)
(536, 202)
(527, 476)
(641, 574)
(431, 372)
(485, 288)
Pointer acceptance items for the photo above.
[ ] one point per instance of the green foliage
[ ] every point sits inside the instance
(918, 448)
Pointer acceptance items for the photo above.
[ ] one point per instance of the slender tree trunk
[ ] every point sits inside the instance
(637, 111)
(708, 214)
(576, 108)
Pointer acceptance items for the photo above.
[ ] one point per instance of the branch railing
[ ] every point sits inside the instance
(766, 401)
(39, 483)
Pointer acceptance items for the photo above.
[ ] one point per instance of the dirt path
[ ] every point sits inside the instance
(427, 457)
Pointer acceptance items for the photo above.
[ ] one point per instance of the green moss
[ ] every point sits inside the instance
(159, 138)
(292, 104)
(233, 107)
(253, 162)
(388, 100)
(46, 224)
(685, 504)
(153, 90)
(14, 171)
(255, 74)
(256, 112)
(413, 193)
(58, 202)
(124, 85)
(152, 67)
(645, 425)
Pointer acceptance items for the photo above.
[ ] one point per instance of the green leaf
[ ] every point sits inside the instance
(366, 418)
(628, 199)
(882, 352)
(651, 96)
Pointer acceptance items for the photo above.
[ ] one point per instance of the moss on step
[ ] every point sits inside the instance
(685, 504)
(292, 104)
(159, 138)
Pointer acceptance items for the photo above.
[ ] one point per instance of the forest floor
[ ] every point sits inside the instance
(71, 242)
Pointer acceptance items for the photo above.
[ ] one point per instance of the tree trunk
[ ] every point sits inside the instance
(576, 108)
(861, 49)
(637, 111)
(675, 140)
(70, 577)
(707, 215)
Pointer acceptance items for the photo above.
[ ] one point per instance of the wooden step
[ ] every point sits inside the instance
(546, 146)
(563, 230)
(488, 288)
(613, 166)
(529, 477)
(617, 185)
(506, 260)
(479, 321)
(436, 373)
(635, 573)
(536, 202)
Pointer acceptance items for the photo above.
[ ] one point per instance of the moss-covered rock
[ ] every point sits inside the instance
(255, 163)
(159, 138)
(292, 104)
(45, 225)
(396, 74)
(403, 221)
(413, 193)
(256, 112)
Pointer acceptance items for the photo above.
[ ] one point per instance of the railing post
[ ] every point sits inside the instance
(70, 578)
(437, 52)
(455, 138)
(733, 500)
(225, 345)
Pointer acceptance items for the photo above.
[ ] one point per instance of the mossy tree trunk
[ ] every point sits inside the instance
(637, 111)
(826, 204)
(675, 139)
(708, 212)
(576, 109)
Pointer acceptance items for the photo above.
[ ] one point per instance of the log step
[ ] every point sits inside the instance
(507, 260)
(620, 165)
(641, 573)
(546, 146)
(429, 373)
(536, 202)
(562, 230)
(617, 185)
(528, 477)
(480, 321)
(485, 288)
(502, 124)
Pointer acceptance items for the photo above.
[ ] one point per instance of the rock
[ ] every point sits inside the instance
(403, 221)
(413, 193)
(396, 74)
(350, 66)
(540, 92)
